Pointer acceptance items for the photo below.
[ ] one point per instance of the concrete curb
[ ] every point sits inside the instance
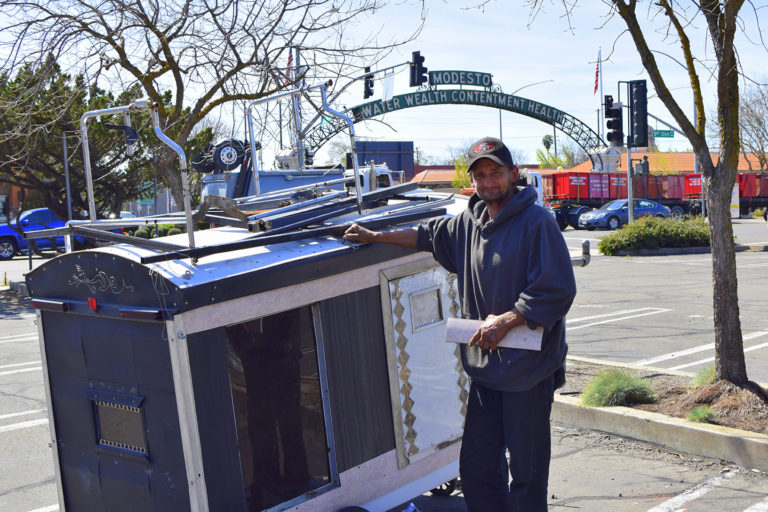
(671, 251)
(748, 449)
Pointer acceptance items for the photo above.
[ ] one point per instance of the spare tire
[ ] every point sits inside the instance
(228, 155)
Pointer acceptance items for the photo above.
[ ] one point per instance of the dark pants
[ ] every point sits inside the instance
(498, 421)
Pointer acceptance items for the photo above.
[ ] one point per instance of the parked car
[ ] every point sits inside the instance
(616, 213)
(12, 243)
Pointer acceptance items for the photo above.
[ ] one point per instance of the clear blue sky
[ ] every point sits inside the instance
(502, 39)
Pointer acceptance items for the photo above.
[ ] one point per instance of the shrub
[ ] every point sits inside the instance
(704, 377)
(702, 414)
(616, 387)
(653, 233)
(162, 229)
(142, 232)
(174, 231)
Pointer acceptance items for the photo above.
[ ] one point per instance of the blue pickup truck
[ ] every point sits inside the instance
(12, 243)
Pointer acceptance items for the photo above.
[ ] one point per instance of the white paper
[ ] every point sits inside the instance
(460, 330)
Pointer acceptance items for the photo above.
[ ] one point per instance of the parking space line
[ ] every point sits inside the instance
(657, 310)
(23, 370)
(701, 348)
(616, 313)
(674, 504)
(710, 359)
(49, 508)
(20, 340)
(23, 413)
(19, 364)
(23, 425)
(761, 506)
(14, 336)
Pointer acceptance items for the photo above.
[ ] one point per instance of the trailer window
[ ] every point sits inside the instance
(276, 393)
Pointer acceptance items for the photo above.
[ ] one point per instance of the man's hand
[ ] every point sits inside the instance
(494, 329)
(359, 234)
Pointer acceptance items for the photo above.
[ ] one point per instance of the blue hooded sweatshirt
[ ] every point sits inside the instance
(517, 260)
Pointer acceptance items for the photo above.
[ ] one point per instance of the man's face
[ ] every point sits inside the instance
(493, 182)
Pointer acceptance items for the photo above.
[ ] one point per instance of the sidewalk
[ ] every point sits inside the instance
(748, 449)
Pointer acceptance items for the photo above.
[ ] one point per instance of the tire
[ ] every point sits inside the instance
(8, 248)
(445, 489)
(660, 216)
(677, 212)
(573, 219)
(228, 155)
(613, 223)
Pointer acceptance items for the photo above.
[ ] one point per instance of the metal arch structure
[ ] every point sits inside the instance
(584, 136)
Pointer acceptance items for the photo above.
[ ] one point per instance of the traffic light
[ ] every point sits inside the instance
(638, 114)
(615, 122)
(367, 84)
(418, 71)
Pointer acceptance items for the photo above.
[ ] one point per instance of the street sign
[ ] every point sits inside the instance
(663, 133)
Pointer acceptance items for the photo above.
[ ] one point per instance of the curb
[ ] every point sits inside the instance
(19, 287)
(671, 251)
(747, 449)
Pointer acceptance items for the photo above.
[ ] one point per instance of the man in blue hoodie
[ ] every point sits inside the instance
(513, 268)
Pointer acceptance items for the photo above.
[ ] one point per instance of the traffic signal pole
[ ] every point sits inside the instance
(630, 192)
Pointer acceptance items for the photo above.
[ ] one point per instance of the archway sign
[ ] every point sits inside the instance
(475, 89)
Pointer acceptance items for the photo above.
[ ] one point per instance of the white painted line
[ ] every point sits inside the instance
(761, 506)
(20, 340)
(616, 313)
(23, 413)
(49, 508)
(693, 350)
(23, 424)
(19, 364)
(710, 359)
(674, 355)
(615, 319)
(12, 372)
(674, 504)
(14, 336)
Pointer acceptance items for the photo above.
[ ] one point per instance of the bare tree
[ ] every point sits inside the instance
(197, 56)
(753, 119)
(722, 21)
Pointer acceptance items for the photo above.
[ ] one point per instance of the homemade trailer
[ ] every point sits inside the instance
(263, 365)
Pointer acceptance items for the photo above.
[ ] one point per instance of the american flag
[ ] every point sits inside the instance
(288, 66)
(597, 72)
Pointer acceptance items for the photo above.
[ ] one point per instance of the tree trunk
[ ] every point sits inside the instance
(729, 346)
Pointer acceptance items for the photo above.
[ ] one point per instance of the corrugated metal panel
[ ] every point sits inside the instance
(356, 362)
(216, 421)
(598, 185)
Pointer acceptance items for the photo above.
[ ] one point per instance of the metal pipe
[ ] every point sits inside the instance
(297, 206)
(136, 106)
(351, 125)
(583, 260)
(251, 131)
(183, 164)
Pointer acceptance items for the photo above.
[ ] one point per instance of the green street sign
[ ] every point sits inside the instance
(461, 97)
(664, 133)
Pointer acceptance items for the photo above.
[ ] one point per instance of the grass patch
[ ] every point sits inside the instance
(704, 377)
(616, 387)
(702, 414)
(654, 233)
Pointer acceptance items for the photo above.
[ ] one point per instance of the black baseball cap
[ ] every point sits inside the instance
(492, 149)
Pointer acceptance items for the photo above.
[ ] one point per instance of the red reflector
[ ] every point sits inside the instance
(143, 314)
(92, 303)
(49, 305)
